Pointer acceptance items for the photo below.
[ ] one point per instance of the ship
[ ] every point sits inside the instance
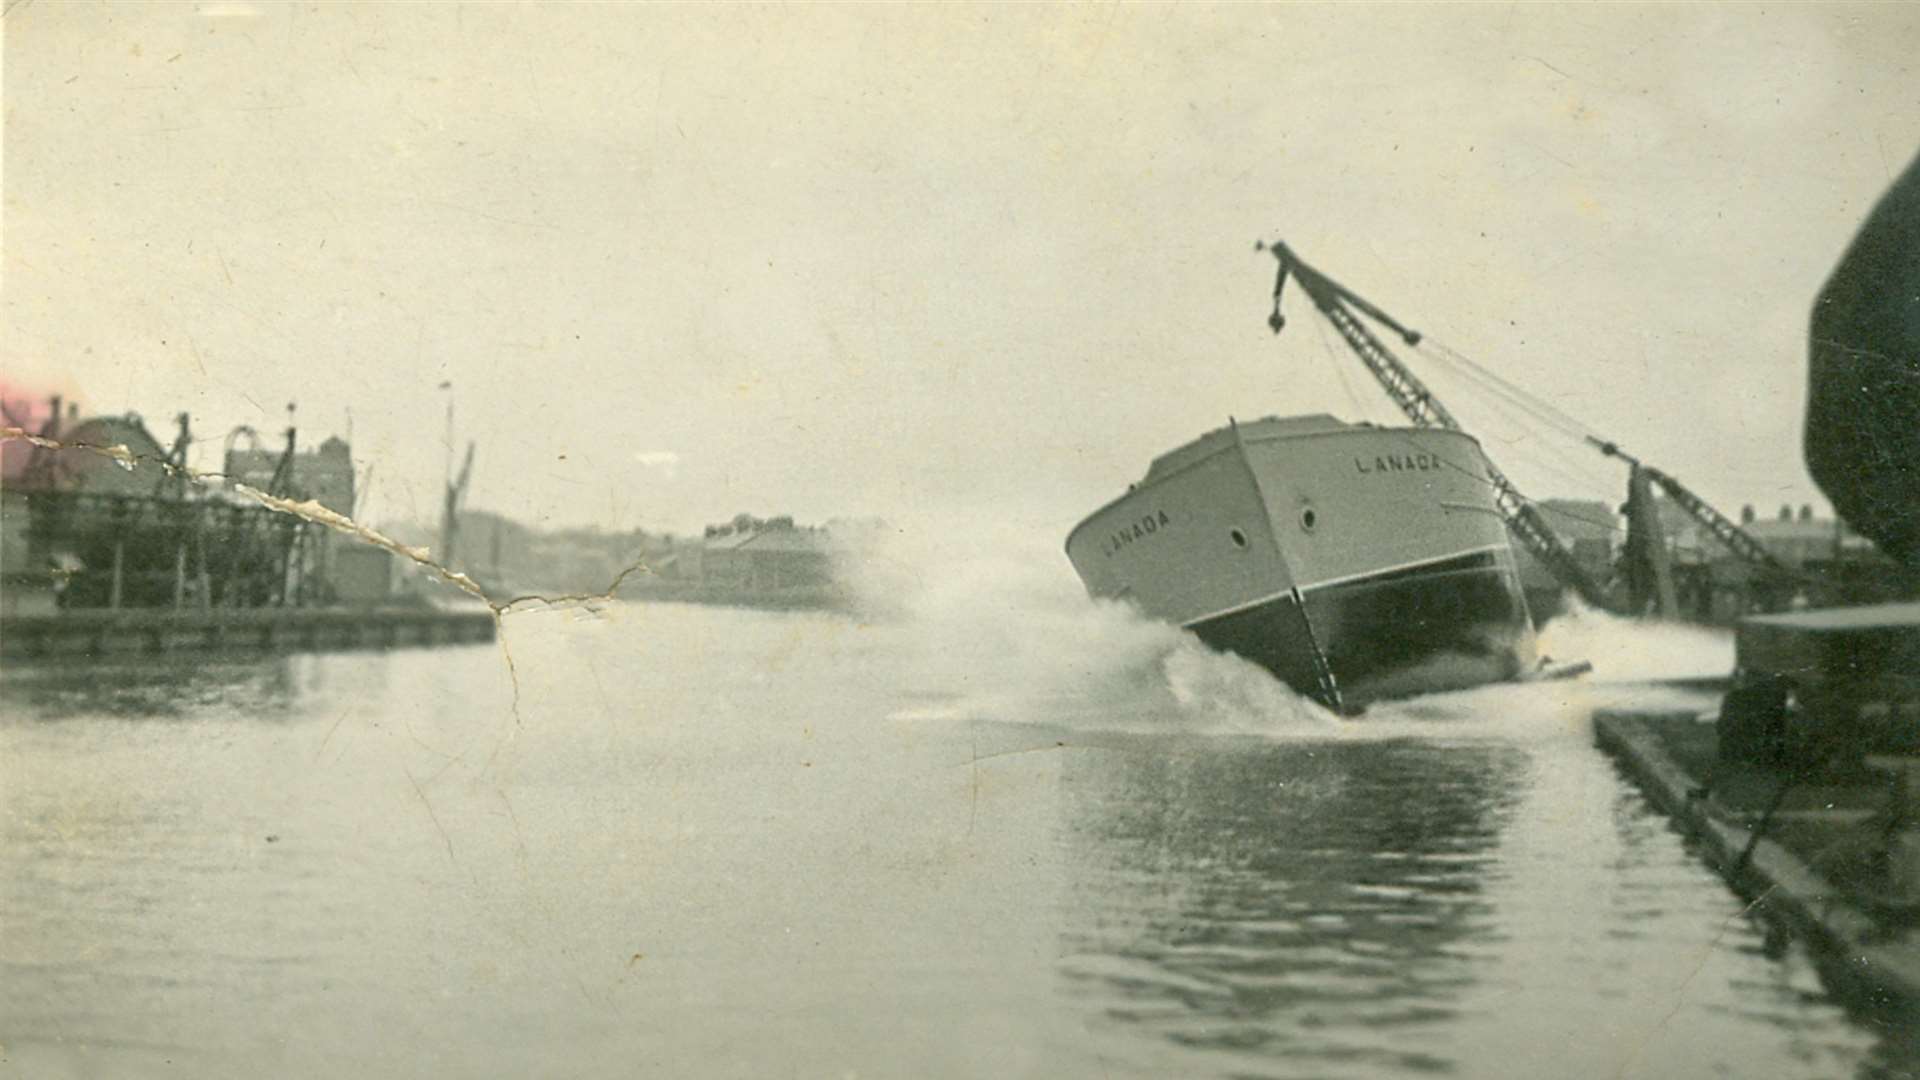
(1354, 562)
(1358, 561)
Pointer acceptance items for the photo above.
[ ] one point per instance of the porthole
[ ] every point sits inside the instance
(1239, 538)
(1308, 519)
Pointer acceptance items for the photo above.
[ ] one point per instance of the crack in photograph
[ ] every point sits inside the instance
(861, 541)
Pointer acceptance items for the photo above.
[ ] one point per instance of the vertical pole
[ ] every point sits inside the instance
(1650, 574)
(200, 553)
(206, 575)
(119, 559)
(446, 514)
(237, 534)
(180, 576)
(288, 555)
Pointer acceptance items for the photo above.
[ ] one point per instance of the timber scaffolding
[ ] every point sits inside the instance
(113, 550)
(100, 515)
(118, 574)
(108, 546)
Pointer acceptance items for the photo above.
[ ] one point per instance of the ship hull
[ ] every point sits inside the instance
(1355, 563)
(1447, 625)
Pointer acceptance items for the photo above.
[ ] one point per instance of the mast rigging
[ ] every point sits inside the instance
(1414, 399)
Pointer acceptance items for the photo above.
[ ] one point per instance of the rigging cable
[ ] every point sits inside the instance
(1550, 413)
(1514, 405)
(1339, 368)
(1576, 470)
(1499, 389)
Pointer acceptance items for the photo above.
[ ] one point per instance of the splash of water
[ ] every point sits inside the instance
(1637, 663)
(1637, 650)
(998, 629)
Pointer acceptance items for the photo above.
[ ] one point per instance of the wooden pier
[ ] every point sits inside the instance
(131, 631)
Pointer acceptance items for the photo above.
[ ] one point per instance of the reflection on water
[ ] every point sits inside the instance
(689, 842)
(1315, 903)
(180, 685)
(1399, 903)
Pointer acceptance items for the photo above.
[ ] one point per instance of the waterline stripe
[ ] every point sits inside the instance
(1403, 566)
(1271, 597)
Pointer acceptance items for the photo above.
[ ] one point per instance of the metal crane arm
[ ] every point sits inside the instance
(1721, 527)
(1531, 527)
(1414, 399)
(1332, 298)
(283, 472)
(458, 493)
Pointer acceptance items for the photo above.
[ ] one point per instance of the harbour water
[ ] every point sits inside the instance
(1002, 833)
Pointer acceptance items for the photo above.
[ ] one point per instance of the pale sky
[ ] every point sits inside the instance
(949, 264)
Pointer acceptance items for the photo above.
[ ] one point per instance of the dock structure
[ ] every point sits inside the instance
(1803, 789)
(1784, 870)
(1865, 655)
(130, 631)
(111, 546)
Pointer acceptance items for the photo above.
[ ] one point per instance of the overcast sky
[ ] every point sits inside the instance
(948, 264)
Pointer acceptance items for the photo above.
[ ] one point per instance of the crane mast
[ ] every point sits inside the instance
(1719, 525)
(1414, 399)
(450, 513)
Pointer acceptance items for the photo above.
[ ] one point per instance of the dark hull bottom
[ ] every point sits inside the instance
(1444, 626)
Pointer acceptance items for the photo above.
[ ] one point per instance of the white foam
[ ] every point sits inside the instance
(997, 628)
(1637, 650)
(1001, 630)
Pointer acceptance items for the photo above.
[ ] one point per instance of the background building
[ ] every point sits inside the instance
(772, 556)
(324, 475)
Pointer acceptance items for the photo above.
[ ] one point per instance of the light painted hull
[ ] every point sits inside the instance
(1355, 563)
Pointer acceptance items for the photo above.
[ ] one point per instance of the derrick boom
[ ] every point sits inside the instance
(1414, 399)
(1722, 527)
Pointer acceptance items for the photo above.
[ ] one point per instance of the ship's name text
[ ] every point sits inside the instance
(1399, 463)
(1138, 530)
